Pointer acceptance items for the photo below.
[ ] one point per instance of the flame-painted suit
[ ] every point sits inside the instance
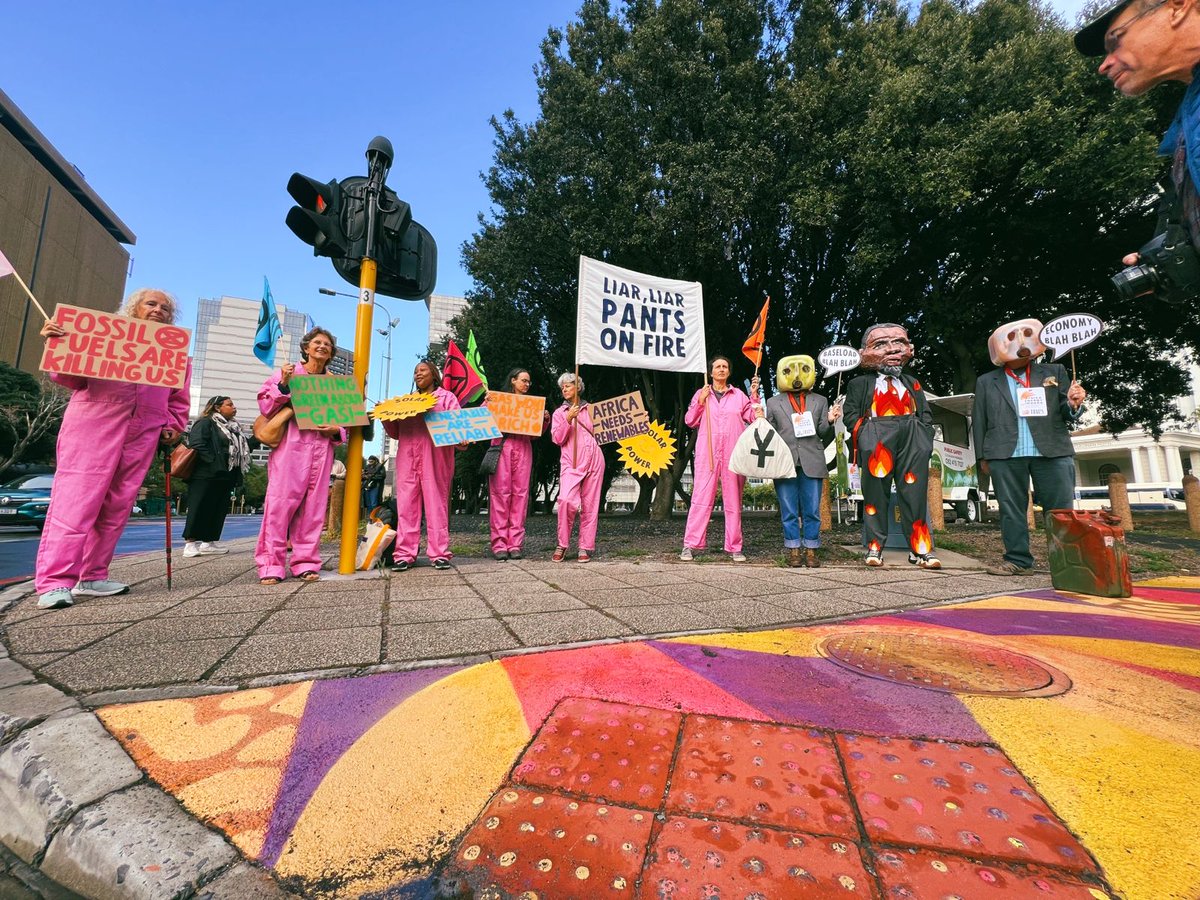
(892, 432)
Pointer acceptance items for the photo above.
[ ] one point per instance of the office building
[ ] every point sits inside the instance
(441, 310)
(61, 238)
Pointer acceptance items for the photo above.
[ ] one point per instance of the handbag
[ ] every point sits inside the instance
(271, 431)
(372, 544)
(183, 461)
(491, 460)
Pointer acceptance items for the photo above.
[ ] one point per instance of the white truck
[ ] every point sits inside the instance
(954, 453)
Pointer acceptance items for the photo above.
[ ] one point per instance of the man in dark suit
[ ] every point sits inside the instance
(1022, 420)
(891, 430)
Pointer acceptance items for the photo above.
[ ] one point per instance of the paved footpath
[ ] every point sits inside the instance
(624, 729)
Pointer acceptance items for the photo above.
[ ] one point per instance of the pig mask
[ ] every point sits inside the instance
(795, 373)
(1016, 344)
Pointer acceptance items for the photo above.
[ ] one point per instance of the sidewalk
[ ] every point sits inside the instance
(266, 712)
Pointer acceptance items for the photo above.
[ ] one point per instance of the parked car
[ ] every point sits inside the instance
(24, 500)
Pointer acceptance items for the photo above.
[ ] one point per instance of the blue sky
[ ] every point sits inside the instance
(188, 119)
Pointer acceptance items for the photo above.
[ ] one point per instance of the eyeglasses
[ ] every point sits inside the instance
(1112, 40)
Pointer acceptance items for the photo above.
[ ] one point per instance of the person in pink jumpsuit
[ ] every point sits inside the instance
(423, 476)
(580, 471)
(107, 441)
(297, 474)
(719, 413)
(508, 488)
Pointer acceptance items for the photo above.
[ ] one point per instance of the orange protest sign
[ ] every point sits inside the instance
(117, 348)
(517, 413)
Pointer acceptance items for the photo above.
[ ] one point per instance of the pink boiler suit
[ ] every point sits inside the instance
(297, 492)
(725, 418)
(108, 439)
(580, 476)
(508, 493)
(423, 476)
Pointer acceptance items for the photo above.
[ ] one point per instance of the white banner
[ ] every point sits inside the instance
(633, 320)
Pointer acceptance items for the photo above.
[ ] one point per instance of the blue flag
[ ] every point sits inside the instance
(269, 330)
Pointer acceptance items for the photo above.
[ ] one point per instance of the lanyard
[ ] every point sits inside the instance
(1017, 378)
(798, 407)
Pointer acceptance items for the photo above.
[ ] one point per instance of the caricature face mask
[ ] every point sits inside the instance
(886, 348)
(795, 373)
(1017, 343)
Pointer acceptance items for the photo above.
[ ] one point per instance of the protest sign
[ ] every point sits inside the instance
(327, 400)
(397, 408)
(761, 453)
(448, 427)
(838, 358)
(619, 418)
(1069, 332)
(517, 413)
(648, 454)
(629, 319)
(117, 348)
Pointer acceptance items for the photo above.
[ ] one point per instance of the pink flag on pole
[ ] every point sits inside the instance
(6, 267)
(458, 377)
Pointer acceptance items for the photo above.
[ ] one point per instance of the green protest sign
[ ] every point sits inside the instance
(327, 400)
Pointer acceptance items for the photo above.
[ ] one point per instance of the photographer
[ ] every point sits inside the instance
(1145, 43)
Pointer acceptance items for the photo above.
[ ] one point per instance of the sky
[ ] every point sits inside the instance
(189, 118)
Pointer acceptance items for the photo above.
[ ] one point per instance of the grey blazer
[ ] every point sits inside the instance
(808, 453)
(994, 417)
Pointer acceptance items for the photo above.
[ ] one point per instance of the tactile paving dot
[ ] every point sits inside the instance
(961, 798)
(927, 873)
(609, 751)
(943, 664)
(532, 844)
(772, 774)
(692, 858)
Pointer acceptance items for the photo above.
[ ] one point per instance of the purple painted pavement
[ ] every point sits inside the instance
(814, 691)
(1064, 624)
(338, 713)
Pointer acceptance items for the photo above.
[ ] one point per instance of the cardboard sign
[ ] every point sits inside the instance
(648, 454)
(448, 427)
(327, 400)
(629, 319)
(517, 413)
(619, 418)
(398, 408)
(1066, 333)
(117, 348)
(838, 358)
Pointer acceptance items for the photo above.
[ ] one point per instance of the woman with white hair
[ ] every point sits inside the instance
(580, 470)
(109, 434)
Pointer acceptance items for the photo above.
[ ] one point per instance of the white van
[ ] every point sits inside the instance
(1143, 497)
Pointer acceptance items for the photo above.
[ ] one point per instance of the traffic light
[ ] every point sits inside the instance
(405, 252)
(317, 218)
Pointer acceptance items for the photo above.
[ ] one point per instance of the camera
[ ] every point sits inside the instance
(1169, 268)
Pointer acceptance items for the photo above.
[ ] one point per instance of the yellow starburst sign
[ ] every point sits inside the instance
(405, 407)
(648, 454)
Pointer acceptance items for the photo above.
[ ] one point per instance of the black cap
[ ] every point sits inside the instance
(1089, 40)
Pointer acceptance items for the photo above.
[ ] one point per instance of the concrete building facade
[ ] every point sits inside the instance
(61, 238)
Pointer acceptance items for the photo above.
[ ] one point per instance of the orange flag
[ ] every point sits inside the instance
(753, 348)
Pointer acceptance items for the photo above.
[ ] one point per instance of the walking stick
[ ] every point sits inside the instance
(167, 481)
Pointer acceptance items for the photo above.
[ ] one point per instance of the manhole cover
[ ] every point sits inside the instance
(943, 664)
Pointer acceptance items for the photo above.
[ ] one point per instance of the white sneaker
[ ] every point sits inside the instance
(211, 549)
(686, 555)
(58, 598)
(100, 589)
(190, 549)
(738, 557)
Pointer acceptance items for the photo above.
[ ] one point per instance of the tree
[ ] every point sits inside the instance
(30, 415)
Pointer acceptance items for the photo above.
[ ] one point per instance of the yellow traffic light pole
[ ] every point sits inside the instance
(354, 450)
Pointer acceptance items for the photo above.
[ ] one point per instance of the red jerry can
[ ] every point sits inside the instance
(1087, 553)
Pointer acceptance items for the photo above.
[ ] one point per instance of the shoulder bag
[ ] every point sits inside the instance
(271, 431)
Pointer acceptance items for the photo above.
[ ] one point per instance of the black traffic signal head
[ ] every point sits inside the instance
(317, 218)
(407, 265)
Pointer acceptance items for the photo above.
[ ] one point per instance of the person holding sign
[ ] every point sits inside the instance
(580, 472)
(719, 413)
(108, 438)
(423, 476)
(223, 459)
(508, 487)
(891, 430)
(805, 422)
(1022, 420)
(297, 473)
